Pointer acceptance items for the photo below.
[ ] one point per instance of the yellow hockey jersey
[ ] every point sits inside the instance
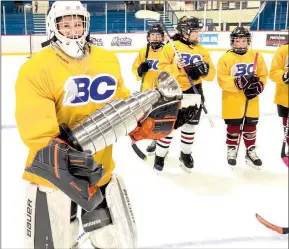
(279, 66)
(189, 55)
(44, 98)
(152, 73)
(231, 65)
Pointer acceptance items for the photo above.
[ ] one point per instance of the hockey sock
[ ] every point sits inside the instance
(233, 132)
(249, 135)
(187, 138)
(163, 145)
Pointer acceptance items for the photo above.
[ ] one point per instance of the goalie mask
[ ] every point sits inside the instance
(240, 39)
(67, 24)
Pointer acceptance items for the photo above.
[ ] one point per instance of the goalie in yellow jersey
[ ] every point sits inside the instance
(198, 63)
(239, 82)
(280, 75)
(145, 66)
(71, 106)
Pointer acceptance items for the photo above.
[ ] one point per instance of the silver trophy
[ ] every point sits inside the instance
(120, 117)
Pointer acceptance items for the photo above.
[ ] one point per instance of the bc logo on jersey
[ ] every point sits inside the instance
(153, 64)
(242, 69)
(189, 59)
(79, 90)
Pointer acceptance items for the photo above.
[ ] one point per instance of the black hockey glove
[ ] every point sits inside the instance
(143, 68)
(285, 78)
(254, 90)
(73, 172)
(244, 81)
(198, 69)
(186, 115)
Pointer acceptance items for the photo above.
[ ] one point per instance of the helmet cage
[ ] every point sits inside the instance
(72, 46)
(240, 33)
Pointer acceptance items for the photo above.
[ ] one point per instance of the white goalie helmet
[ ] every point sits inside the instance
(74, 47)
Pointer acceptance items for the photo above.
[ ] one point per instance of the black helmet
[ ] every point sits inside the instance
(156, 28)
(186, 25)
(240, 32)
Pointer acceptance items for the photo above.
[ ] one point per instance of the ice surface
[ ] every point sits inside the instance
(212, 207)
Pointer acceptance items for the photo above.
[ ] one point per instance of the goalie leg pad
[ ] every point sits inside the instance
(121, 233)
(49, 221)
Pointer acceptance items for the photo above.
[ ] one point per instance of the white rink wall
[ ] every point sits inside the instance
(16, 48)
(25, 44)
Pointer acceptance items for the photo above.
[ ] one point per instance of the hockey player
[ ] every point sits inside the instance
(64, 83)
(145, 66)
(280, 75)
(197, 62)
(239, 82)
(146, 63)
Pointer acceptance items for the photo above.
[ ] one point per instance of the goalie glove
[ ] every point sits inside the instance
(74, 172)
(159, 123)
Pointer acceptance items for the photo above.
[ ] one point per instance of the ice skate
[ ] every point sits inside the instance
(232, 156)
(187, 162)
(151, 149)
(252, 159)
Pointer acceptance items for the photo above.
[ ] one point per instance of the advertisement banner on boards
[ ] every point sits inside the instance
(98, 41)
(130, 41)
(276, 40)
(209, 39)
(121, 41)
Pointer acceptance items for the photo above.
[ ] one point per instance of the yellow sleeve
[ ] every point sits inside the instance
(225, 80)
(262, 70)
(35, 109)
(122, 91)
(212, 71)
(138, 60)
(166, 61)
(276, 69)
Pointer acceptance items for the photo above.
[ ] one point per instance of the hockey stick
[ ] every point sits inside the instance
(133, 145)
(246, 108)
(146, 56)
(148, 14)
(281, 230)
(81, 239)
(285, 158)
